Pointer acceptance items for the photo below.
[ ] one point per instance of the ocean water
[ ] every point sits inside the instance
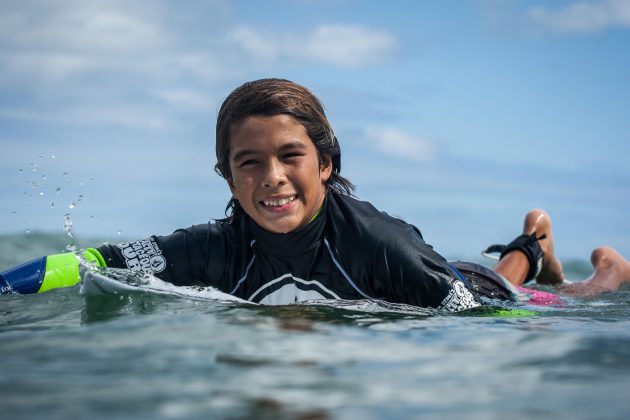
(65, 355)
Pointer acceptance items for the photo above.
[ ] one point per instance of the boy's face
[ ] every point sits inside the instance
(276, 175)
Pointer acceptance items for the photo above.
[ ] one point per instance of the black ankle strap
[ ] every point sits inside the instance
(528, 245)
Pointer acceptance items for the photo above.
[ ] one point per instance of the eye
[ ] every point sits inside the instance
(247, 163)
(292, 155)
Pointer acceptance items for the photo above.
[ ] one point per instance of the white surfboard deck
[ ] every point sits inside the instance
(96, 283)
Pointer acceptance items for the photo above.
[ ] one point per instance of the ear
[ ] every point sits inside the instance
(325, 168)
(230, 183)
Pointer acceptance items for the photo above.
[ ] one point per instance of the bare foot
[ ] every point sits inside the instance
(611, 270)
(538, 221)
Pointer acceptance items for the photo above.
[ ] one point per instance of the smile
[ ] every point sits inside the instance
(279, 201)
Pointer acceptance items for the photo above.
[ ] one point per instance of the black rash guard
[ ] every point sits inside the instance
(350, 251)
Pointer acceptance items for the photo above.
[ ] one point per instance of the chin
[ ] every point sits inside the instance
(281, 227)
(277, 229)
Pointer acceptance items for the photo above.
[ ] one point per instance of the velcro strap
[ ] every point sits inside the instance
(528, 245)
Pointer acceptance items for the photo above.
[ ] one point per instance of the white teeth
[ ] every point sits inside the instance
(279, 202)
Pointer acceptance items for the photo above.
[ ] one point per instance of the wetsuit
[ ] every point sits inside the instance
(350, 251)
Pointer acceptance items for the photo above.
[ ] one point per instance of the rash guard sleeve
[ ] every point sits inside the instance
(420, 276)
(186, 257)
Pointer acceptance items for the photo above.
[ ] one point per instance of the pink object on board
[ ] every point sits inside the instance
(537, 297)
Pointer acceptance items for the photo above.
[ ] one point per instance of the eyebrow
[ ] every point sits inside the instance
(241, 154)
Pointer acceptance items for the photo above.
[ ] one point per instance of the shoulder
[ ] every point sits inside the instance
(349, 213)
(352, 204)
(215, 237)
(388, 254)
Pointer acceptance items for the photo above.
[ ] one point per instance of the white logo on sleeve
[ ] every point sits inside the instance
(143, 255)
(458, 298)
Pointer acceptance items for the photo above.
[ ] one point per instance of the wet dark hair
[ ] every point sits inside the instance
(269, 97)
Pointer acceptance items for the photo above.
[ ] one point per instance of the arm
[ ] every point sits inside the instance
(181, 258)
(45, 273)
(420, 276)
(392, 261)
(194, 256)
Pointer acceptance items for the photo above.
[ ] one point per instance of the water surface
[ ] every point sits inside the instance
(145, 356)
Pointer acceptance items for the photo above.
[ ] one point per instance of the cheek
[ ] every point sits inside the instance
(243, 187)
(238, 183)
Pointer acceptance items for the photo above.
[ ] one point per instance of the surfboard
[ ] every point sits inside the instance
(111, 282)
(95, 281)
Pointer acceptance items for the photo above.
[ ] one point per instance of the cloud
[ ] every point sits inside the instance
(56, 42)
(97, 26)
(347, 46)
(582, 17)
(64, 38)
(59, 42)
(104, 62)
(401, 144)
(122, 115)
(255, 43)
(118, 62)
(185, 97)
(337, 45)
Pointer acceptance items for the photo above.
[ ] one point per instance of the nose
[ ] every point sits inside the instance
(274, 174)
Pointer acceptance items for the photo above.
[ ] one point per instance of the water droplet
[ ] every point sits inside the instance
(67, 226)
(53, 156)
(14, 212)
(67, 222)
(65, 173)
(92, 179)
(41, 157)
(119, 232)
(91, 217)
(57, 190)
(43, 176)
(41, 193)
(72, 205)
(28, 231)
(81, 183)
(80, 198)
(34, 184)
(20, 170)
(34, 167)
(52, 204)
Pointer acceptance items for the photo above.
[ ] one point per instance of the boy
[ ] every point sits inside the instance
(294, 233)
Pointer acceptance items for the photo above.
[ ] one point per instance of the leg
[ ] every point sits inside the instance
(611, 271)
(514, 266)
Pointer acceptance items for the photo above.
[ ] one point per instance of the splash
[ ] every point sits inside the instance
(67, 227)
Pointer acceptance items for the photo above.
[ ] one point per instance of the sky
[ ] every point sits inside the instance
(456, 116)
